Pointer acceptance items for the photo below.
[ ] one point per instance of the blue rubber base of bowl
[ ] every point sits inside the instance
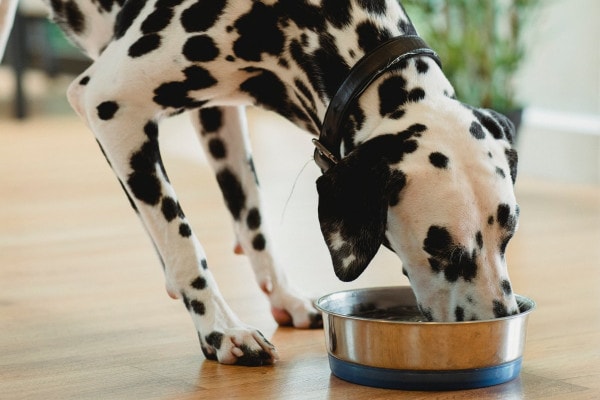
(425, 380)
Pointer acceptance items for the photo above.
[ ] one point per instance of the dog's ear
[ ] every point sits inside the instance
(353, 207)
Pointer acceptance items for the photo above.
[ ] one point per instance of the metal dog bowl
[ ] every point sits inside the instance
(375, 338)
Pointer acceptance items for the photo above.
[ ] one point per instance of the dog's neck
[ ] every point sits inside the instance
(391, 55)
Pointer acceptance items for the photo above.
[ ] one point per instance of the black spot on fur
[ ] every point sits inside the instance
(302, 88)
(373, 6)
(405, 25)
(497, 124)
(199, 283)
(477, 130)
(397, 114)
(198, 307)
(130, 11)
(459, 314)
(170, 208)
(333, 66)
(270, 92)
(337, 12)
(451, 258)
(259, 33)
(304, 15)
(151, 130)
(438, 160)
(233, 193)
(396, 183)
(415, 130)
(500, 172)
(259, 242)
(74, 17)
(426, 313)
(211, 119)
(145, 187)
(214, 339)
(500, 310)
(107, 5)
(253, 219)
(504, 243)
(490, 220)
(175, 94)
(512, 158)
(146, 159)
(202, 14)
(506, 287)
(144, 45)
(392, 94)
(107, 110)
(185, 230)
(503, 215)
(172, 94)
(204, 264)
(416, 94)
(200, 48)
(84, 81)
(422, 66)
(479, 239)
(217, 148)
(370, 36)
(392, 148)
(57, 6)
(166, 3)
(157, 21)
(198, 78)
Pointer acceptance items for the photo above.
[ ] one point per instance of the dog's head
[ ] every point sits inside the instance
(439, 193)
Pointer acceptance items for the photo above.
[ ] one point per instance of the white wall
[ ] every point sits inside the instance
(560, 85)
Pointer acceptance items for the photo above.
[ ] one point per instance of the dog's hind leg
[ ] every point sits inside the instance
(223, 134)
(127, 131)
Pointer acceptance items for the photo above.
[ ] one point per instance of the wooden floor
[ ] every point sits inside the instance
(84, 314)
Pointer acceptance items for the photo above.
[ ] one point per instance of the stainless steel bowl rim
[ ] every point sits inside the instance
(520, 299)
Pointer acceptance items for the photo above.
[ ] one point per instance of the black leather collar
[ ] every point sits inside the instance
(372, 65)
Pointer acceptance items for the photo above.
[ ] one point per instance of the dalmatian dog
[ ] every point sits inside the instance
(404, 163)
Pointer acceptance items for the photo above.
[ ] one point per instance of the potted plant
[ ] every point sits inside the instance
(480, 44)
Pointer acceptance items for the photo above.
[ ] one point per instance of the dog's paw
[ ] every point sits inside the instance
(306, 319)
(291, 309)
(241, 346)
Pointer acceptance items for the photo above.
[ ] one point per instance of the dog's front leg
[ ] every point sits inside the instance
(223, 134)
(128, 135)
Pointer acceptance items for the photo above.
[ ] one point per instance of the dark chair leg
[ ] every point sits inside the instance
(17, 58)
